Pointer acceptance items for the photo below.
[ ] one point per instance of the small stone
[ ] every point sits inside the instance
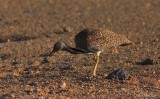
(156, 40)
(67, 29)
(147, 61)
(141, 43)
(36, 63)
(14, 62)
(64, 84)
(13, 95)
(123, 89)
(51, 59)
(108, 19)
(33, 84)
(120, 74)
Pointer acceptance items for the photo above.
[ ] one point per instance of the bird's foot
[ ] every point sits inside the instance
(93, 76)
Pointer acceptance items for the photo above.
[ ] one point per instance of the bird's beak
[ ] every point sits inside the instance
(53, 51)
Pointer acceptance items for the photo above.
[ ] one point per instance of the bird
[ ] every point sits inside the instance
(93, 41)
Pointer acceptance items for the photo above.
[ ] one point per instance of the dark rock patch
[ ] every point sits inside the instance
(147, 61)
(33, 84)
(4, 56)
(66, 68)
(120, 74)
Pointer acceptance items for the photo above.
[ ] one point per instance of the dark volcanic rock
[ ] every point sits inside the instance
(147, 61)
(120, 74)
(33, 84)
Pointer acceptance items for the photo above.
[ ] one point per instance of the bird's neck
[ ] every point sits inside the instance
(73, 50)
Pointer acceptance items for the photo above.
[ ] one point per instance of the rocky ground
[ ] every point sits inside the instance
(29, 29)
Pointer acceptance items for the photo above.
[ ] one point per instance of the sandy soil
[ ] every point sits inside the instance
(29, 29)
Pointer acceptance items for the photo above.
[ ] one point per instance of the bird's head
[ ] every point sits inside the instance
(58, 46)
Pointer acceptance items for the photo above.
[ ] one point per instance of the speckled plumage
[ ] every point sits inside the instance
(98, 39)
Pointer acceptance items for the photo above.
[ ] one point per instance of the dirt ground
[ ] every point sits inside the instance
(29, 29)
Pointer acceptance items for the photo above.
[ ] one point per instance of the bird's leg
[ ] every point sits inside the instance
(97, 61)
(114, 50)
